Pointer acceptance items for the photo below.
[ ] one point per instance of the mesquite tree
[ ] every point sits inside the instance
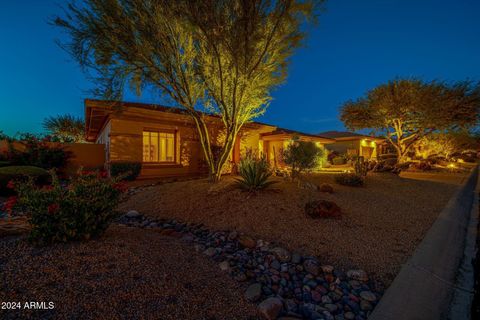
(210, 57)
(406, 110)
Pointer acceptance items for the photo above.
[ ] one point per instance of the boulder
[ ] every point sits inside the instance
(322, 209)
(325, 187)
(270, 308)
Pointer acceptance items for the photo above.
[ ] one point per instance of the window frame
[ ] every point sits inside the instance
(160, 131)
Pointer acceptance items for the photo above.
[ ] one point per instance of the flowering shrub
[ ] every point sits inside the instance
(81, 209)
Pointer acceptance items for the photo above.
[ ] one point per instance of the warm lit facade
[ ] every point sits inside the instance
(354, 144)
(165, 139)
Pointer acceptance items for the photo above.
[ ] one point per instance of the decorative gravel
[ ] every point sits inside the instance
(381, 225)
(129, 273)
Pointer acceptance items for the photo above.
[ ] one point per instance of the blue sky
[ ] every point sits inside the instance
(356, 46)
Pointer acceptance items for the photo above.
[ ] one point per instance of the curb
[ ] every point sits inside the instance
(425, 285)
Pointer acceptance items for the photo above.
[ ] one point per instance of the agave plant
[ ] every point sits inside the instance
(255, 173)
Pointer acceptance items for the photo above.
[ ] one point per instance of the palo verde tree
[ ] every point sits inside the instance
(66, 128)
(209, 57)
(406, 110)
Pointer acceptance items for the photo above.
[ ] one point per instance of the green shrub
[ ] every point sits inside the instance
(349, 179)
(39, 152)
(11, 173)
(4, 163)
(338, 160)
(130, 170)
(255, 173)
(79, 210)
(302, 156)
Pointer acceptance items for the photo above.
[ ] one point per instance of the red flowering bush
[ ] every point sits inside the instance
(81, 209)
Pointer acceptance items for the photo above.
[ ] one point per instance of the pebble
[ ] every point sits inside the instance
(270, 308)
(368, 295)
(253, 292)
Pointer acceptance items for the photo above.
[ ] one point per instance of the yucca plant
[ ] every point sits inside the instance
(255, 173)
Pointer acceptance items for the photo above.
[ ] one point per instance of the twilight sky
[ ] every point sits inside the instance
(356, 46)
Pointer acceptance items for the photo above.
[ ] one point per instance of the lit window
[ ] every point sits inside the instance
(158, 146)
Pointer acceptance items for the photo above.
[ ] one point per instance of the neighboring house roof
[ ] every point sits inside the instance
(287, 133)
(98, 111)
(346, 135)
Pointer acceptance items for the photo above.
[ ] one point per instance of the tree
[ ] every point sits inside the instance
(66, 128)
(209, 57)
(407, 110)
(301, 156)
(447, 144)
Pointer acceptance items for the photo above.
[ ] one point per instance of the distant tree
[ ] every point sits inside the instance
(407, 110)
(214, 56)
(446, 144)
(302, 156)
(65, 128)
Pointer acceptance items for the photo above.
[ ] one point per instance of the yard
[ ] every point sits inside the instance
(126, 274)
(381, 225)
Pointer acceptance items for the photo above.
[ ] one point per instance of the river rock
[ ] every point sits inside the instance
(270, 308)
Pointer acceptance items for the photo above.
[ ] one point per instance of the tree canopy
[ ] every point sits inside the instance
(66, 128)
(214, 57)
(405, 110)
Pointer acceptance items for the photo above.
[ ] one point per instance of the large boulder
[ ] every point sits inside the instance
(322, 209)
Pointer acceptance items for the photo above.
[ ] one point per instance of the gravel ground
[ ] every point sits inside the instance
(382, 222)
(127, 274)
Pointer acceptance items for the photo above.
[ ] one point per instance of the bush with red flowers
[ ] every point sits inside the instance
(81, 209)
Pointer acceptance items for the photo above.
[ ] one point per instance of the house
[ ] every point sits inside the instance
(354, 144)
(165, 139)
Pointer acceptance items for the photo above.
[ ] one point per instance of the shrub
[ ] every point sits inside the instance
(332, 155)
(301, 156)
(361, 167)
(79, 210)
(254, 172)
(349, 179)
(11, 173)
(39, 153)
(338, 160)
(130, 170)
(4, 163)
(423, 166)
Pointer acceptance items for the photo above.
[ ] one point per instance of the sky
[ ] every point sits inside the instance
(356, 46)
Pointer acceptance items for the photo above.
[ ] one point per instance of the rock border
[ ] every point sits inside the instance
(284, 284)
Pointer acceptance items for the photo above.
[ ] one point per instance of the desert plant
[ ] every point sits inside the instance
(255, 173)
(302, 156)
(79, 210)
(349, 179)
(12, 173)
(128, 170)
